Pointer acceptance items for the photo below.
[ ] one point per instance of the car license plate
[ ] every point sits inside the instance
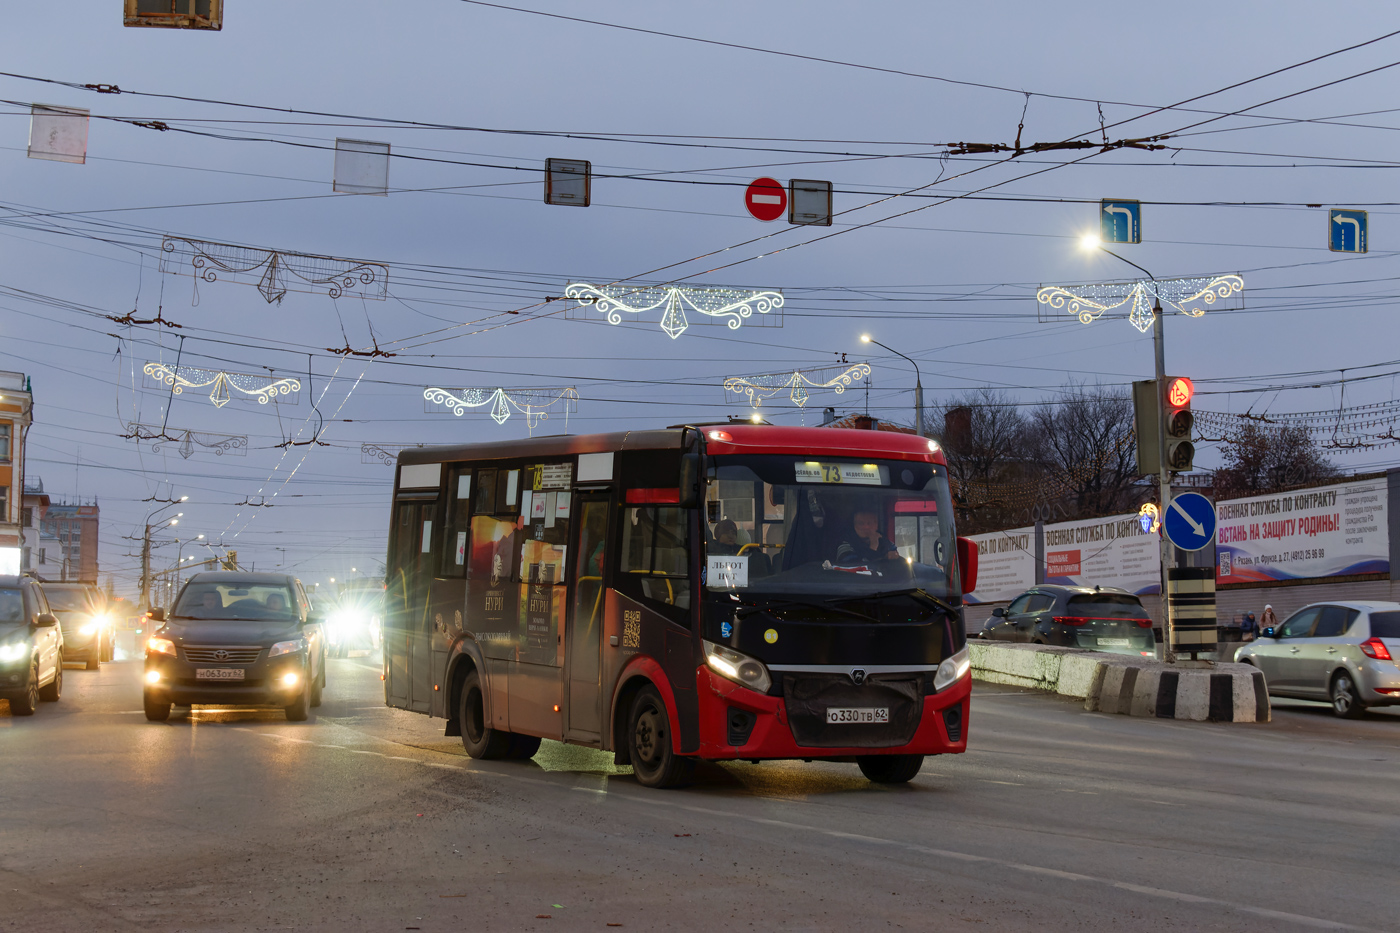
(1114, 641)
(858, 714)
(219, 673)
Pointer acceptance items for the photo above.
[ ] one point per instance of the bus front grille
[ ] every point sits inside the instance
(809, 696)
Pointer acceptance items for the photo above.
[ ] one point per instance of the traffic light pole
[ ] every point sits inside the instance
(1164, 475)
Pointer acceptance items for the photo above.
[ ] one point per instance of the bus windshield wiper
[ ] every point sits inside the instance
(916, 593)
(769, 605)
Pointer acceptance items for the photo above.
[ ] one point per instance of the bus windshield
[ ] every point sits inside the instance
(825, 528)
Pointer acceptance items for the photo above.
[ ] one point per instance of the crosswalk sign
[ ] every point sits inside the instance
(1346, 231)
(1120, 221)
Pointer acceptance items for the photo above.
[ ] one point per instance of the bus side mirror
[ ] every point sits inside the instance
(967, 564)
(689, 481)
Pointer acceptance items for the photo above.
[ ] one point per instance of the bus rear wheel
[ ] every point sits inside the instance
(653, 754)
(480, 741)
(890, 769)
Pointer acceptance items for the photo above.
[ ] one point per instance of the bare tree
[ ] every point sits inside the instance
(1260, 459)
(1085, 447)
(985, 438)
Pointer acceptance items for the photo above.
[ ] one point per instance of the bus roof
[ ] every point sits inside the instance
(721, 439)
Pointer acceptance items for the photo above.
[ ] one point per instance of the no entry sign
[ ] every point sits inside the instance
(766, 198)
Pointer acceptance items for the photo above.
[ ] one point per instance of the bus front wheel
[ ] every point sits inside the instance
(480, 741)
(890, 769)
(654, 759)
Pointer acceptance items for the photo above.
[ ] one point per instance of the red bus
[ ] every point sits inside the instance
(713, 592)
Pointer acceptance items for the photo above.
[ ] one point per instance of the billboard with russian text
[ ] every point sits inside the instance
(1328, 531)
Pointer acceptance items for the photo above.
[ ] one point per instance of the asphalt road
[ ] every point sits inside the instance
(367, 818)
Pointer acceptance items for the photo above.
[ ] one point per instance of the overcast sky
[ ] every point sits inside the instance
(467, 238)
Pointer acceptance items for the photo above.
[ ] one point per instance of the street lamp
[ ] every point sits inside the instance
(146, 549)
(918, 384)
(1164, 477)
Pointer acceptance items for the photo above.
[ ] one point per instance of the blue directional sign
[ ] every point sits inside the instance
(1190, 521)
(1346, 231)
(1120, 221)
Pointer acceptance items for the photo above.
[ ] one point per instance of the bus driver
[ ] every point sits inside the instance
(866, 544)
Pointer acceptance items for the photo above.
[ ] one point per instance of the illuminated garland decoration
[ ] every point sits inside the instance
(274, 272)
(386, 454)
(1190, 296)
(1358, 428)
(729, 306)
(1148, 519)
(185, 441)
(758, 388)
(187, 377)
(534, 404)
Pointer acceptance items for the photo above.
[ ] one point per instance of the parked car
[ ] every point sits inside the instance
(31, 646)
(237, 639)
(1343, 653)
(88, 632)
(1100, 618)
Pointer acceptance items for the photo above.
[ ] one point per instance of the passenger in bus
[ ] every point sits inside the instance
(726, 538)
(866, 544)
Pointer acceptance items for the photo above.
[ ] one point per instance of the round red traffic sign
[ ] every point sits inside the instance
(766, 198)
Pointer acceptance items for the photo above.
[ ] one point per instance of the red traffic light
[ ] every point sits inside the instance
(1179, 392)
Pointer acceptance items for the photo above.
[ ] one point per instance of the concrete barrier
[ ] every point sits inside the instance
(1117, 683)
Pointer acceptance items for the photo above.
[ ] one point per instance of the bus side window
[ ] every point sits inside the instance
(655, 558)
(457, 540)
(486, 492)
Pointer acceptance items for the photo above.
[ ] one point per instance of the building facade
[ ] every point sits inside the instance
(16, 414)
(73, 529)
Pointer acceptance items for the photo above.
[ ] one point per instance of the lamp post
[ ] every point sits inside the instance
(918, 384)
(146, 550)
(180, 555)
(1164, 476)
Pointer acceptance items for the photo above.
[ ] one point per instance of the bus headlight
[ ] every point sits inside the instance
(737, 667)
(952, 669)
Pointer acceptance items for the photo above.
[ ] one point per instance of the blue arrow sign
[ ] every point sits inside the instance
(1346, 231)
(1120, 221)
(1190, 521)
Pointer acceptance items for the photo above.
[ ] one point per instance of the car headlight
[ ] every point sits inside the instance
(737, 667)
(14, 650)
(160, 646)
(287, 647)
(952, 669)
(89, 629)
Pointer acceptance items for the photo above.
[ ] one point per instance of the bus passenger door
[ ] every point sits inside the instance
(584, 646)
(406, 598)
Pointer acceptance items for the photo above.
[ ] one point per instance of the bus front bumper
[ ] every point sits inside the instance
(765, 731)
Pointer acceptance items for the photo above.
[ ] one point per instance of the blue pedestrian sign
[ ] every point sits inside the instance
(1190, 521)
(1346, 231)
(1120, 221)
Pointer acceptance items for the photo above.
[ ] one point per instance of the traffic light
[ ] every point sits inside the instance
(1148, 407)
(1180, 450)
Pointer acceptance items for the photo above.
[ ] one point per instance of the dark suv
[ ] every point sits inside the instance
(237, 639)
(1100, 618)
(31, 646)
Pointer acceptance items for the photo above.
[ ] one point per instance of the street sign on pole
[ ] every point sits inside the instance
(1120, 221)
(1190, 521)
(1346, 231)
(766, 199)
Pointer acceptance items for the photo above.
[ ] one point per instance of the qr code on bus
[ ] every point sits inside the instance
(631, 629)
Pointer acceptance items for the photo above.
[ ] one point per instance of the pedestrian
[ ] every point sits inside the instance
(1269, 620)
(1248, 627)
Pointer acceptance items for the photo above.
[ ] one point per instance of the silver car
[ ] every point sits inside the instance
(1344, 653)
